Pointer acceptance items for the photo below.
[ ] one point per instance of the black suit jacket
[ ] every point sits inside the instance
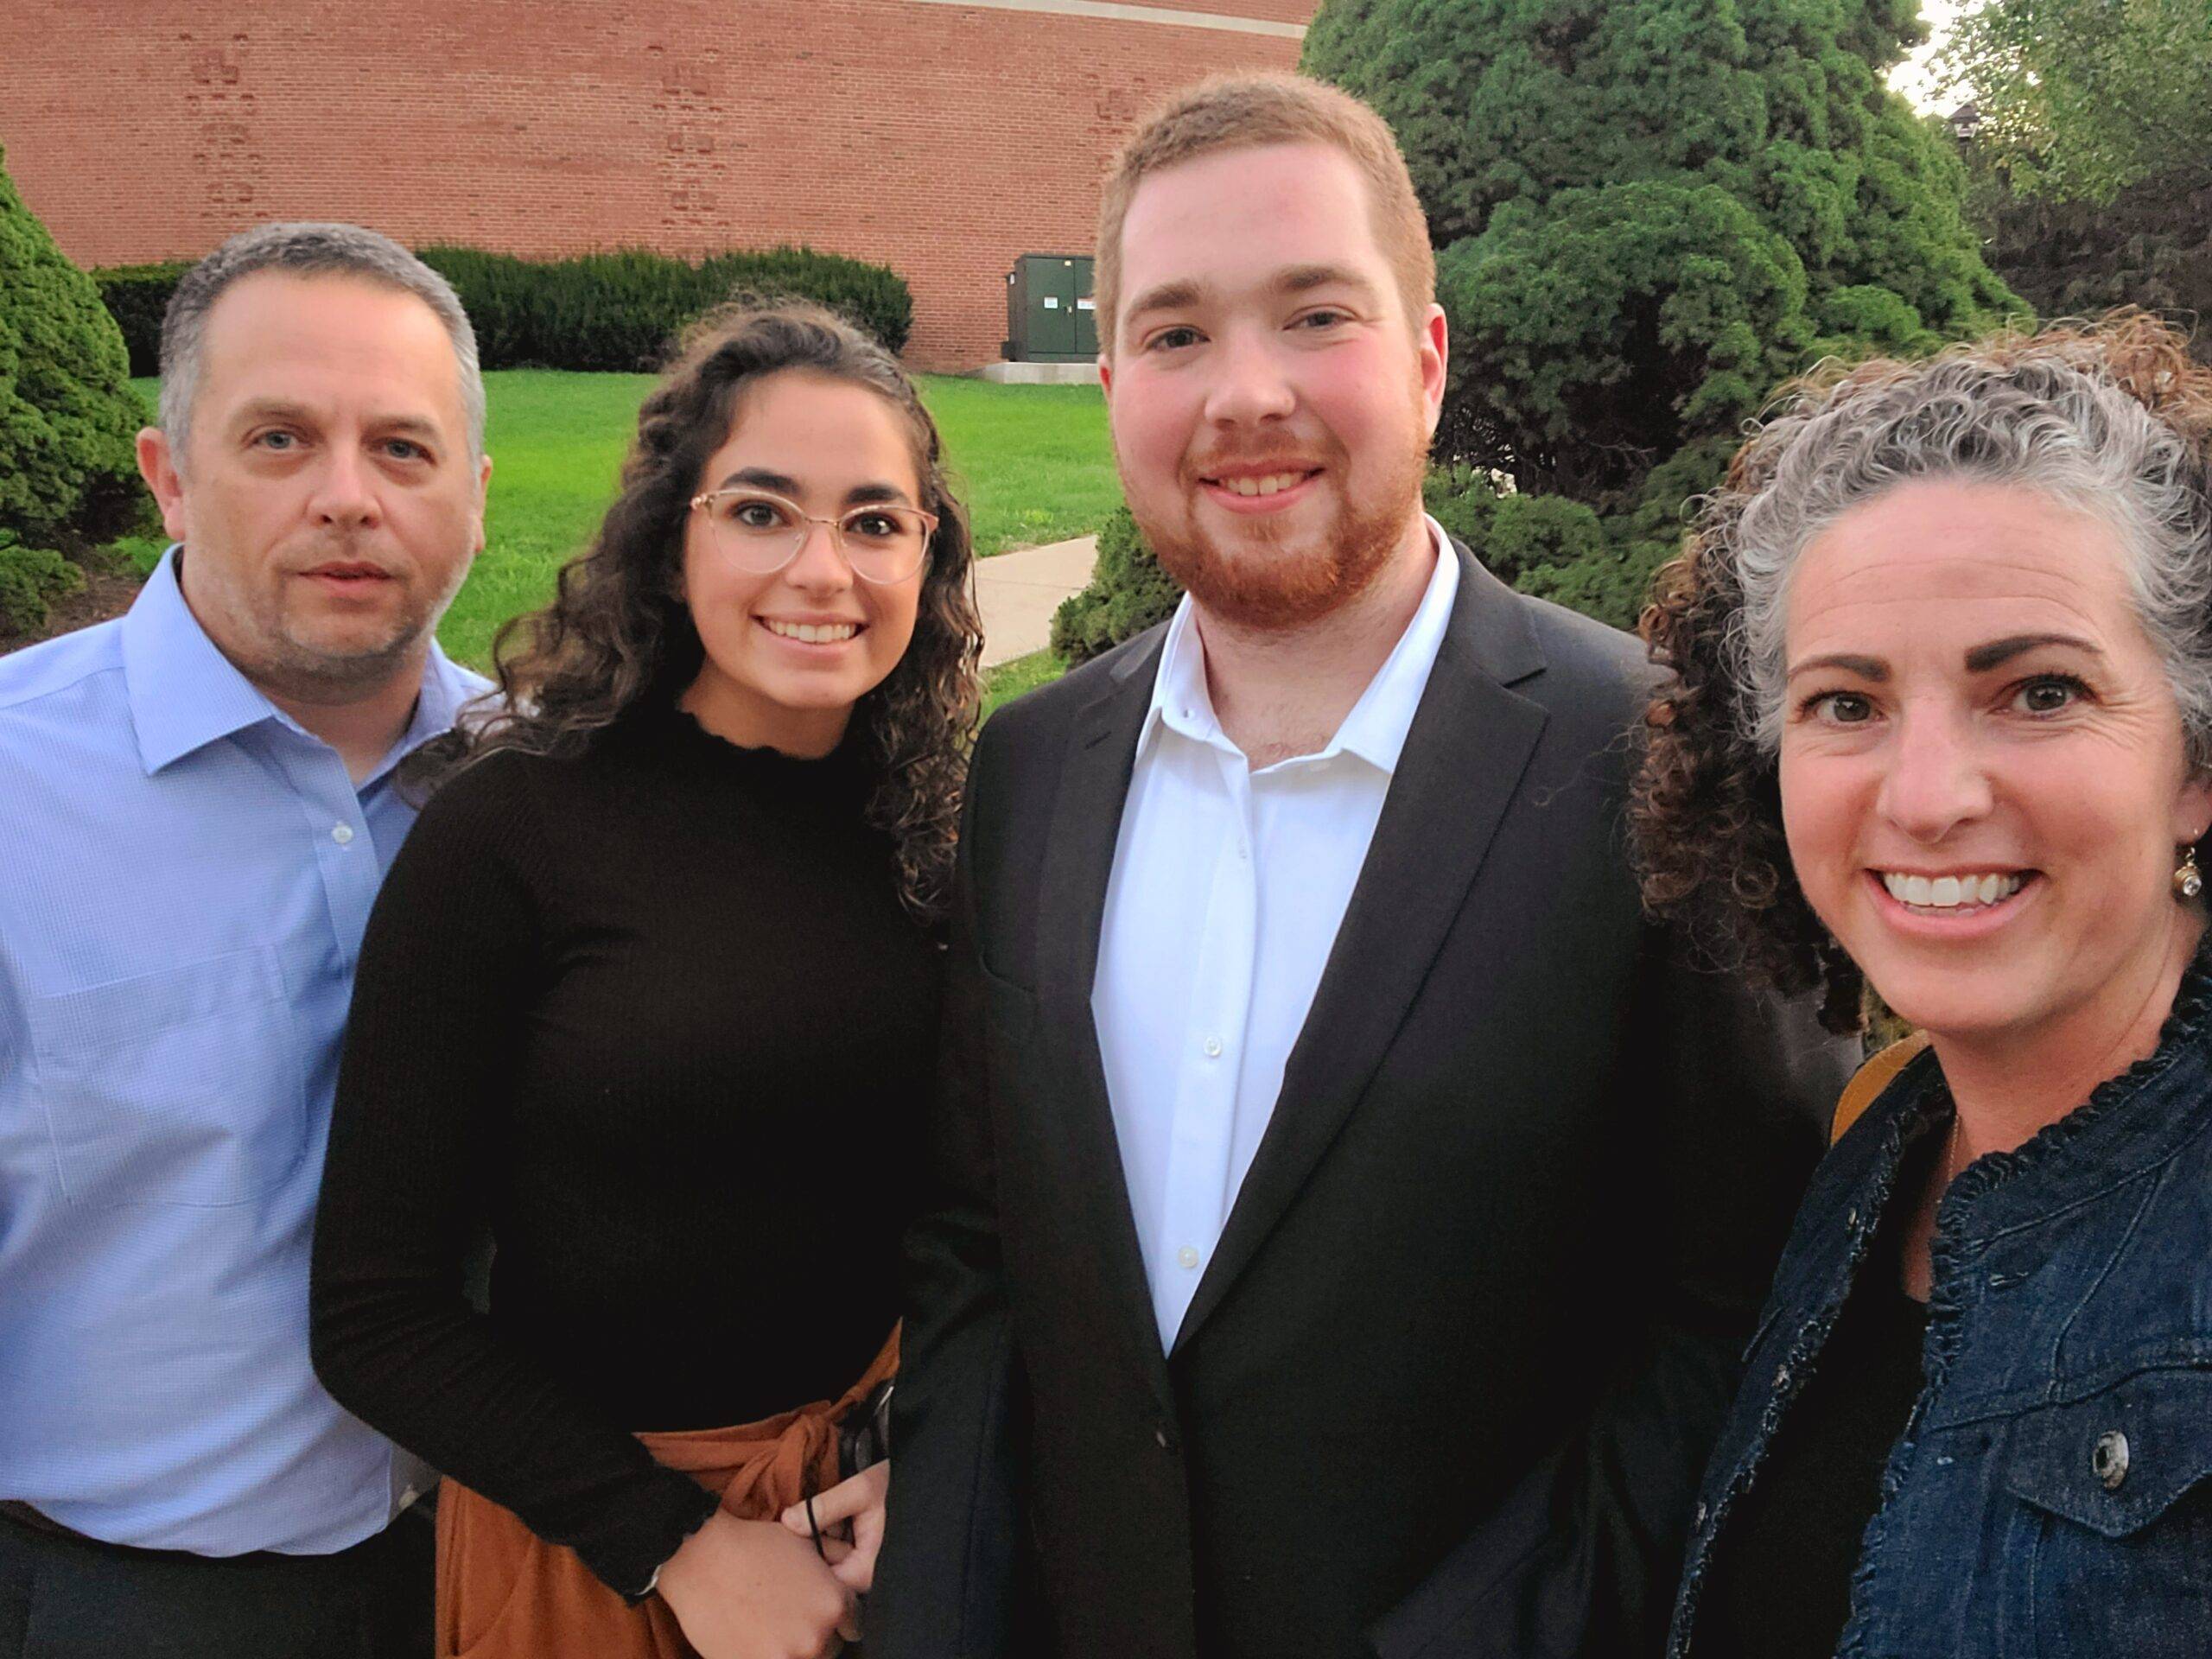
(1448, 1381)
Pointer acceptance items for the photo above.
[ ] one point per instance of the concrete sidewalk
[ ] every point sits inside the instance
(1018, 592)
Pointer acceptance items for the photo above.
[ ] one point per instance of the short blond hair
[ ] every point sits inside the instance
(1245, 112)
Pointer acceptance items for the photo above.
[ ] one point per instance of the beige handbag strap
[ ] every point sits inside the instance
(1867, 1083)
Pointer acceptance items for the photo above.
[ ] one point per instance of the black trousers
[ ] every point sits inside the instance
(64, 1597)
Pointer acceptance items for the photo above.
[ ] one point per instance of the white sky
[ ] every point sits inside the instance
(1911, 77)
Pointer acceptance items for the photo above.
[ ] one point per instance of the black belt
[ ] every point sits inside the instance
(24, 1515)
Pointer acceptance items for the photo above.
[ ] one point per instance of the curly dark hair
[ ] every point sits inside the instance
(618, 633)
(2112, 415)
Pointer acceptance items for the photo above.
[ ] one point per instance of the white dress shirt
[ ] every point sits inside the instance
(1228, 888)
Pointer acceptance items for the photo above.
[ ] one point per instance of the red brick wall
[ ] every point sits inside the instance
(941, 140)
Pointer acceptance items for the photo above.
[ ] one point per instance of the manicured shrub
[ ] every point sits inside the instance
(137, 297)
(1129, 593)
(873, 296)
(31, 579)
(621, 310)
(608, 311)
(1546, 544)
(67, 413)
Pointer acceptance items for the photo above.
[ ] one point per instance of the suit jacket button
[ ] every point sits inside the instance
(1159, 1433)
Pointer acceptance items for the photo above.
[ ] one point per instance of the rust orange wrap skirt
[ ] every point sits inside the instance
(503, 1593)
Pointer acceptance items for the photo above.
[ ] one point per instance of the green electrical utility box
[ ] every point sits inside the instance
(1050, 315)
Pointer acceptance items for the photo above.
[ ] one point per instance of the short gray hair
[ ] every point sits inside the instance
(2073, 414)
(305, 250)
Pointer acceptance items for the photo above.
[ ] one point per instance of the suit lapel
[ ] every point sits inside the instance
(1079, 865)
(1470, 742)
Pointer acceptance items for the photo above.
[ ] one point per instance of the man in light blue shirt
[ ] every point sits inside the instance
(197, 805)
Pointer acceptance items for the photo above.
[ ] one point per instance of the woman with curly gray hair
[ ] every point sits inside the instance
(651, 998)
(1940, 727)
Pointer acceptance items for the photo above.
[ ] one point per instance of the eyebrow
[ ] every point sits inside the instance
(1166, 297)
(281, 409)
(272, 409)
(1998, 651)
(1979, 660)
(860, 495)
(1300, 278)
(1866, 668)
(1296, 279)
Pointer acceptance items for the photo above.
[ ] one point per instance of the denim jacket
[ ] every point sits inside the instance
(2051, 1496)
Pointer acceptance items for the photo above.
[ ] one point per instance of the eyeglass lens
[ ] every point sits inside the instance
(882, 541)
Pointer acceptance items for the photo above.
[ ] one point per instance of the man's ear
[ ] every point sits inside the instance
(157, 465)
(483, 500)
(1106, 377)
(1434, 349)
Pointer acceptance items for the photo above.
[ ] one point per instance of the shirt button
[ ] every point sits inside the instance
(1159, 1433)
(1186, 1258)
(342, 833)
(1213, 1048)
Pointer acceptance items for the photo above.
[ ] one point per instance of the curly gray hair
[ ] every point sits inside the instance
(2047, 414)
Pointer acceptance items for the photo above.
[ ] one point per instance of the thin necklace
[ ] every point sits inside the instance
(1950, 1154)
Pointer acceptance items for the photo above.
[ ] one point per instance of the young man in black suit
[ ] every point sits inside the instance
(1346, 1211)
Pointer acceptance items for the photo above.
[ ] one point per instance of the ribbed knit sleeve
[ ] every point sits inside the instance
(453, 957)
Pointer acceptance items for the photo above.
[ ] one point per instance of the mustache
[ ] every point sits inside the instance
(1273, 458)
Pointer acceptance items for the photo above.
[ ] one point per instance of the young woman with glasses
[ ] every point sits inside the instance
(650, 998)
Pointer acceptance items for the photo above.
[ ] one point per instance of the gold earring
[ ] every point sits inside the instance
(2188, 882)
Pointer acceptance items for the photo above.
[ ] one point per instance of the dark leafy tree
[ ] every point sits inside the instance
(2150, 245)
(1649, 212)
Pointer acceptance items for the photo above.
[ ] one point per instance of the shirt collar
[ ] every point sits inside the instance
(446, 686)
(185, 694)
(1376, 727)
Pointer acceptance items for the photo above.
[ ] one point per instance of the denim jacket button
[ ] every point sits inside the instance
(2110, 1458)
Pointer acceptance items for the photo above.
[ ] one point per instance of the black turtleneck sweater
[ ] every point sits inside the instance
(656, 1019)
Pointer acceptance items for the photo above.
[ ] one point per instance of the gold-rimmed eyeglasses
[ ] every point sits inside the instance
(761, 532)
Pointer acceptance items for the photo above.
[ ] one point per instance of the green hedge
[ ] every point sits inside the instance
(610, 311)
(620, 311)
(31, 578)
(1129, 593)
(137, 297)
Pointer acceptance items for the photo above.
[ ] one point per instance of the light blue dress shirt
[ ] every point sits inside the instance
(184, 873)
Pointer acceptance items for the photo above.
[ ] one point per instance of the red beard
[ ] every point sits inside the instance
(1264, 584)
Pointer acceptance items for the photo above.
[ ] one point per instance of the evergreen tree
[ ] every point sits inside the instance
(1648, 213)
(67, 413)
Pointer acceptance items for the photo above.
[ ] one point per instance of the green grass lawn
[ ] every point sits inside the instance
(1009, 680)
(1033, 463)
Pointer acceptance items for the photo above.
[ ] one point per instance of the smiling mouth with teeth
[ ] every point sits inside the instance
(1272, 483)
(812, 633)
(1951, 893)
